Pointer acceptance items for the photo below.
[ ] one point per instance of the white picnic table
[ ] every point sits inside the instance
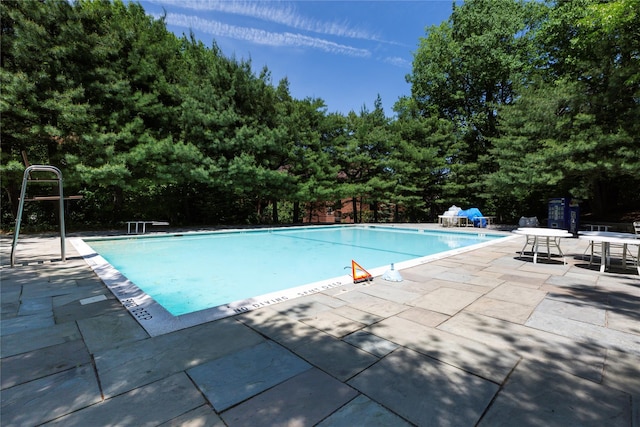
(548, 235)
(606, 239)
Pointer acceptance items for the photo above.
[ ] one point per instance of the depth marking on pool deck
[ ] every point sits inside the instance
(156, 320)
(263, 303)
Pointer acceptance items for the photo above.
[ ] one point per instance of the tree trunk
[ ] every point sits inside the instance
(13, 192)
(275, 212)
(118, 203)
(296, 212)
(605, 198)
(354, 202)
(374, 207)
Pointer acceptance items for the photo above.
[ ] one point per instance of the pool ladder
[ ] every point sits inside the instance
(26, 178)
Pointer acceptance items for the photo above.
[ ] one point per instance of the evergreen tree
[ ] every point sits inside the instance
(462, 72)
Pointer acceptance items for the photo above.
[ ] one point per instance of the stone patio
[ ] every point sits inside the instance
(480, 338)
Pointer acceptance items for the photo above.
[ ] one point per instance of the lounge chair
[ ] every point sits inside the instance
(528, 222)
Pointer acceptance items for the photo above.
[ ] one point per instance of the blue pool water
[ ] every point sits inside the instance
(191, 272)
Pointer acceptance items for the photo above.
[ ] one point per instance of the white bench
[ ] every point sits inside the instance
(144, 224)
(490, 219)
(453, 221)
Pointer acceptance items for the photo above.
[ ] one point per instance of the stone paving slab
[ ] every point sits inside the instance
(336, 357)
(585, 332)
(45, 288)
(446, 300)
(468, 287)
(333, 324)
(378, 306)
(583, 297)
(536, 395)
(32, 339)
(430, 393)
(343, 288)
(544, 265)
(455, 275)
(234, 378)
(421, 288)
(150, 405)
(450, 263)
(531, 279)
(621, 280)
(39, 363)
(573, 309)
(286, 331)
(35, 305)
(424, 272)
(8, 309)
(505, 310)
(371, 343)
(466, 354)
(391, 292)
(21, 324)
(580, 358)
(363, 411)
(517, 294)
(110, 330)
(81, 293)
(133, 365)
(75, 310)
(423, 316)
(506, 264)
(573, 278)
(202, 416)
(622, 372)
(357, 315)
(10, 291)
(307, 306)
(305, 399)
(624, 320)
(358, 297)
(485, 281)
(624, 300)
(44, 399)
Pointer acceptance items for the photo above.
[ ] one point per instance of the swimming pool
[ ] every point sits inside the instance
(179, 278)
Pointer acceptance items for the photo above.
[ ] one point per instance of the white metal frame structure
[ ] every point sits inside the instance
(25, 180)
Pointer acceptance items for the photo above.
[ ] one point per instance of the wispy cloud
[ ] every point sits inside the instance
(277, 12)
(398, 62)
(263, 37)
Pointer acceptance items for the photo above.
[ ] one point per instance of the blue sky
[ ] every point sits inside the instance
(345, 52)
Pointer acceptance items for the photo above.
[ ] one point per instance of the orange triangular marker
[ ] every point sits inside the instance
(359, 274)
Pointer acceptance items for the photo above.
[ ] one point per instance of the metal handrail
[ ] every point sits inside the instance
(25, 179)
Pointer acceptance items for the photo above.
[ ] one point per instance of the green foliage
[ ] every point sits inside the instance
(464, 71)
(574, 131)
(511, 102)
(543, 99)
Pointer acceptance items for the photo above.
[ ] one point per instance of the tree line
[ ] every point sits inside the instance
(512, 102)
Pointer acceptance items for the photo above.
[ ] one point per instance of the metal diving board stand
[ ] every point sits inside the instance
(26, 178)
